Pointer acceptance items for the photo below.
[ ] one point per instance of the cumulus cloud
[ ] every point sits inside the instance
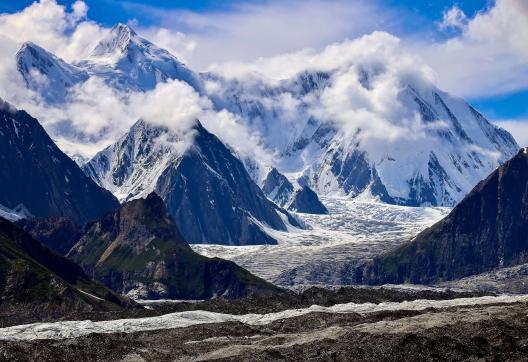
(67, 34)
(179, 44)
(97, 113)
(70, 35)
(489, 56)
(367, 75)
(249, 31)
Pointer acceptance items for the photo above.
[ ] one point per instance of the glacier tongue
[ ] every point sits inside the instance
(73, 329)
(354, 231)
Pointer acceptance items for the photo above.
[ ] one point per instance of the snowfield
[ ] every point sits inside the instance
(354, 230)
(73, 329)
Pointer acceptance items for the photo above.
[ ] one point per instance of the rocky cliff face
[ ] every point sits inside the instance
(36, 283)
(488, 229)
(39, 178)
(138, 250)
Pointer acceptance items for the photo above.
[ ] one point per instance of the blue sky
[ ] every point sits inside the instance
(109, 12)
(416, 22)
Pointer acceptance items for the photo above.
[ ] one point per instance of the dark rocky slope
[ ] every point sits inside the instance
(488, 229)
(59, 234)
(37, 175)
(138, 248)
(306, 201)
(222, 202)
(37, 284)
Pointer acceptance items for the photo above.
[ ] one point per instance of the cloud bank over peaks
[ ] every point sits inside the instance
(364, 84)
(366, 78)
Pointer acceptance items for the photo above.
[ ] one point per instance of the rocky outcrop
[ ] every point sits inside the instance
(306, 201)
(487, 230)
(37, 176)
(277, 187)
(138, 250)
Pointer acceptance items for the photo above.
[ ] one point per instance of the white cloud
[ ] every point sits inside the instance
(67, 34)
(249, 31)
(179, 44)
(453, 18)
(489, 56)
(373, 51)
(518, 128)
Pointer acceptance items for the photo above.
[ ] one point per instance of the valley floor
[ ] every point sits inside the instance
(353, 231)
(483, 328)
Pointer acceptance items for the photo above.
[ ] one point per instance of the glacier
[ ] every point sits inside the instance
(73, 329)
(355, 230)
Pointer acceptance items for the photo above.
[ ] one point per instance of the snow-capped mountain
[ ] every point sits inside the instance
(446, 147)
(456, 149)
(206, 188)
(47, 74)
(129, 62)
(122, 58)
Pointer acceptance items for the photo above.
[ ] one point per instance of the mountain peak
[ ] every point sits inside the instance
(29, 44)
(118, 39)
(33, 50)
(123, 28)
(59, 75)
(137, 249)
